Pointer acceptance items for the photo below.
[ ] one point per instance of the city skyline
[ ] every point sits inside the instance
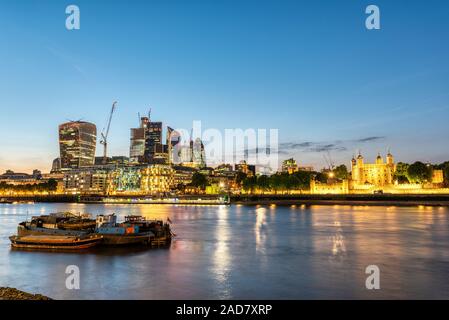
(334, 86)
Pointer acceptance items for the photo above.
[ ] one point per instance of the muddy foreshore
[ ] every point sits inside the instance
(14, 294)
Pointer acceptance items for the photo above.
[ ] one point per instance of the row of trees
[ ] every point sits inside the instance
(48, 186)
(281, 182)
(419, 172)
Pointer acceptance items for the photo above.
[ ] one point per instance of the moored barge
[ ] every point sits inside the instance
(121, 233)
(48, 231)
(55, 242)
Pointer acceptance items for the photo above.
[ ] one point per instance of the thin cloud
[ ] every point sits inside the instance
(369, 139)
(324, 146)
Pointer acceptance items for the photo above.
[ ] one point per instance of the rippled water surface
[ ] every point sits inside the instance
(247, 252)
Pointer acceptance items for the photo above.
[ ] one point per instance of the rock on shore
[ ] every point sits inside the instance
(14, 294)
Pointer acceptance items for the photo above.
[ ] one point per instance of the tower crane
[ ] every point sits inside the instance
(104, 134)
(329, 161)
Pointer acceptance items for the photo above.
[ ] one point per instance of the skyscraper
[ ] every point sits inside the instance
(146, 143)
(137, 145)
(198, 153)
(192, 154)
(77, 143)
(153, 140)
(173, 139)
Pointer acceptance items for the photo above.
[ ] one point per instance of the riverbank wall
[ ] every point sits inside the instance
(353, 199)
(287, 200)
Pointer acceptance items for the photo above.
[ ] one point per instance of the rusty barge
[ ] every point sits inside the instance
(68, 231)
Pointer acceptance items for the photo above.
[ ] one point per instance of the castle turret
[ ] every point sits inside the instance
(379, 159)
(360, 160)
(390, 159)
(354, 168)
(358, 172)
(353, 162)
(391, 168)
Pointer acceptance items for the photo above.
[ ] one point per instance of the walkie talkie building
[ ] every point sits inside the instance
(77, 142)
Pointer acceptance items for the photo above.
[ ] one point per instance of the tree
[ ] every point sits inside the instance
(445, 167)
(249, 184)
(240, 176)
(321, 177)
(263, 183)
(341, 172)
(419, 172)
(52, 185)
(199, 180)
(275, 182)
(303, 179)
(401, 174)
(287, 182)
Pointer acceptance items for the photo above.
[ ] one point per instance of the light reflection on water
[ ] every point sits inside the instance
(247, 252)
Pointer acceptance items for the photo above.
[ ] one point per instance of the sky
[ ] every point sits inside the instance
(308, 68)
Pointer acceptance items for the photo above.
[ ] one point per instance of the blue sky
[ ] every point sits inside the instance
(309, 68)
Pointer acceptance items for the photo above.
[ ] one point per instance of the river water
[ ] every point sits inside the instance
(246, 252)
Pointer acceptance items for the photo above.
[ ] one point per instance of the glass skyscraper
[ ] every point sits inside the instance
(77, 143)
(153, 141)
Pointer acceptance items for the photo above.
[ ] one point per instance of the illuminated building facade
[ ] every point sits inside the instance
(379, 173)
(117, 160)
(77, 143)
(116, 180)
(126, 180)
(161, 154)
(183, 175)
(249, 170)
(437, 176)
(86, 181)
(157, 179)
(17, 178)
(289, 166)
(329, 188)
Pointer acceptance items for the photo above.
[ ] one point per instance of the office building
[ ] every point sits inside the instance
(77, 143)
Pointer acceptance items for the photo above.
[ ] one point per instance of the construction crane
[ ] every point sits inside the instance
(330, 164)
(329, 161)
(104, 134)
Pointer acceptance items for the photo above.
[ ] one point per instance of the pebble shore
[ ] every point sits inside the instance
(14, 294)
